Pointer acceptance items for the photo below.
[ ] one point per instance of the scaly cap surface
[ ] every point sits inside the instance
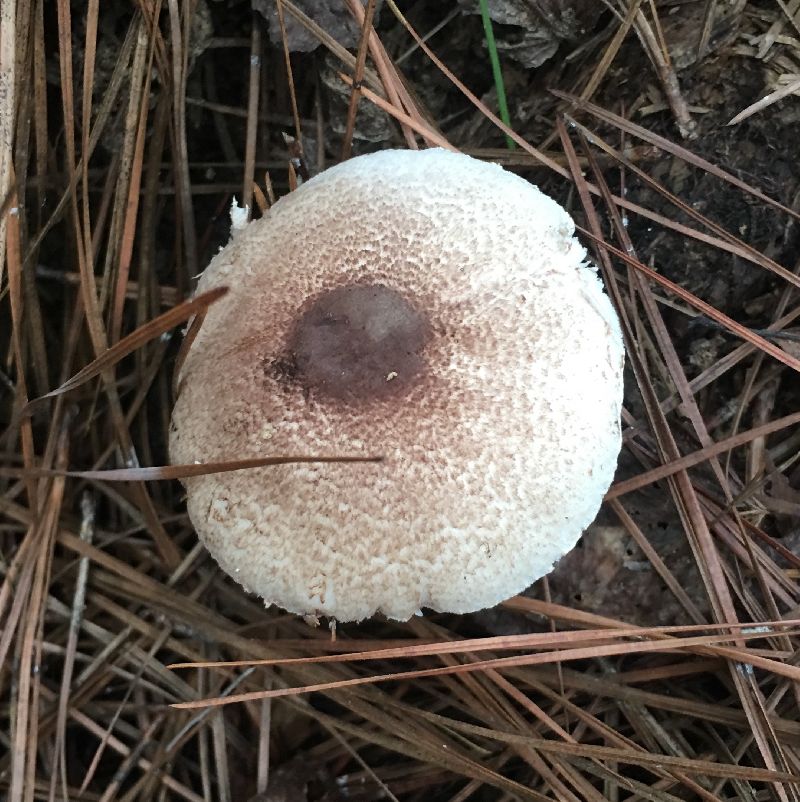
(429, 308)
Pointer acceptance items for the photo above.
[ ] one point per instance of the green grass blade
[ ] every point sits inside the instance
(491, 46)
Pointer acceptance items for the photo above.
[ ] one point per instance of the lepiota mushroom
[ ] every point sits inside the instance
(428, 308)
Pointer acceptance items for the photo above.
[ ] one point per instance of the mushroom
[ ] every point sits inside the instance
(428, 308)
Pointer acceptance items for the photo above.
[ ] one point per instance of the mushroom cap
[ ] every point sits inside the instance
(433, 310)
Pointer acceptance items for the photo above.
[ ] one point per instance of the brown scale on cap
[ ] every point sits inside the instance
(357, 343)
(429, 309)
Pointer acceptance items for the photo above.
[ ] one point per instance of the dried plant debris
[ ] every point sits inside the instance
(287, 783)
(610, 572)
(372, 124)
(773, 38)
(698, 29)
(333, 16)
(534, 29)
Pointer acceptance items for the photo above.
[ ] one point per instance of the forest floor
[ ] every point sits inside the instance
(659, 661)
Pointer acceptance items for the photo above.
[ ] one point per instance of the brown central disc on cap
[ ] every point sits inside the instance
(358, 343)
